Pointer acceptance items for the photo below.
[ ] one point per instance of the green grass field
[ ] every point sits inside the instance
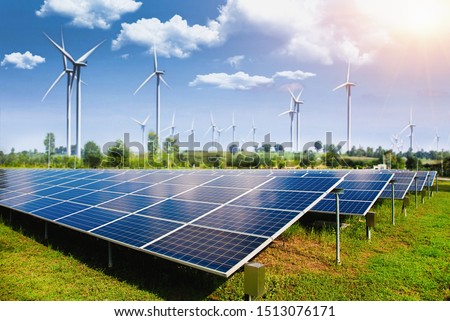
(408, 261)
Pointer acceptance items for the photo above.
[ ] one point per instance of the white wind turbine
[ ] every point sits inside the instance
(77, 64)
(232, 126)
(191, 130)
(411, 126)
(213, 128)
(69, 73)
(171, 127)
(436, 139)
(159, 77)
(253, 130)
(219, 131)
(142, 124)
(297, 103)
(291, 113)
(348, 85)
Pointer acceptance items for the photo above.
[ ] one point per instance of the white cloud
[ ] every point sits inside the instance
(171, 38)
(22, 61)
(294, 75)
(125, 56)
(239, 81)
(235, 61)
(89, 13)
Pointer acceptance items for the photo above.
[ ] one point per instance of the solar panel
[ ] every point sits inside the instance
(431, 178)
(403, 182)
(421, 180)
(211, 220)
(361, 190)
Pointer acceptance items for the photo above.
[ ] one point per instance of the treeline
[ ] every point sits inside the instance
(119, 154)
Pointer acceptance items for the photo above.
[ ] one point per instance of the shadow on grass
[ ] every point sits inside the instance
(166, 279)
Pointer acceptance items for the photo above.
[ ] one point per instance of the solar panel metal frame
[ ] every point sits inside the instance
(25, 176)
(402, 185)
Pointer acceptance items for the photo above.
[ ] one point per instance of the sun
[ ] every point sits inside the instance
(417, 17)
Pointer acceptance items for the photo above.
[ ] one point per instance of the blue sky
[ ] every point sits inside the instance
(230, 56)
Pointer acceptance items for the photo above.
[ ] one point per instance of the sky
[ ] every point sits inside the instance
(229, 56)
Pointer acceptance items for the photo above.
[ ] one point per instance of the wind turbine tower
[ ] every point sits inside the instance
(159, 77)
(77, 64)
(411, 126)
(69, 73)
(348, 86)
(142, 124)
(233, 126)
(297, 103)
(291, 113)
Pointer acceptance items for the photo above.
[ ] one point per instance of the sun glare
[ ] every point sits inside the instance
(418, 17)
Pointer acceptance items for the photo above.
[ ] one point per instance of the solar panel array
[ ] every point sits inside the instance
(403, 182)
(211, 220)
(421, 181)
(431, 178)
(361, 190)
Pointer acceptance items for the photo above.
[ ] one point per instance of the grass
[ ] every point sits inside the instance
(408, 261)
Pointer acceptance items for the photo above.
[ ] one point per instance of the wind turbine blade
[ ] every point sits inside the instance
(137, 121)
(173, 119)
(145, 81)
(53, 85)
(284, 113)
(62, 50)
(146, 120)
(406, 127)
(212, 120)
(155, 60)
(164, 82)
(340, 86)
(348, 71)
(292, 95)
(87, 54)
(298, 97)
(63, 46)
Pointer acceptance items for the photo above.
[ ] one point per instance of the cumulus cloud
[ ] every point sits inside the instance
(89, 13)
(22, 60)
(294, 75)
(235, 61)
(172, 38)
(239, 81)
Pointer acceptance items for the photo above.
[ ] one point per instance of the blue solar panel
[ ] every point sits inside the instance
(15, 201)
(431, 178)
(281, 200)
(127, 187)
(136, 230)
(59, 210)
(99, 185)
(96, 198)
(238, 181)
(50, 190)
(178, 210)
(210, 194)
(89, 219)
(208, 249)
(260, 222)
(403, 182)
(361, 190)
(163, 190)
(421, 179)
(71, 194)
(130, 203)
(36, 204)
(316, 184)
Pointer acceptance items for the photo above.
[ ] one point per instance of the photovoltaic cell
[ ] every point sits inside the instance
(59, 210)
(163, 190)
(403, 182)
(130, 203)
(96, 198)
(91, 218)
(31, 206)
(211, 194)
(207, 248)
(136, 230)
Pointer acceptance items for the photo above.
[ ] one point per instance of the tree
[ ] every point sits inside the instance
(92, 155)
(49, 143)
(118, 155)
(153, 148)
(318, 145)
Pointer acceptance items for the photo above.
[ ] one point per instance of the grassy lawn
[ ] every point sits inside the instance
(408, 261)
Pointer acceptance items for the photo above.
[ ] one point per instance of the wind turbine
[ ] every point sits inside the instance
(77, 64)
(436, 139)
(291, 112)
(348, 86)
(171, 127)
(213, 127)
(233, 126)
(411, 126)
(159, 77)
(191, 130)
(297, 103)
(142, 124)
(254, 131)
(69, 73)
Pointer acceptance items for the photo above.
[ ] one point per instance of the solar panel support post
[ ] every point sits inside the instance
(428, 186)
(437, 183)
(370, 223)
(254, 280)
(110, 261)
(392, 182)
(337, 192)
(415, 183)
